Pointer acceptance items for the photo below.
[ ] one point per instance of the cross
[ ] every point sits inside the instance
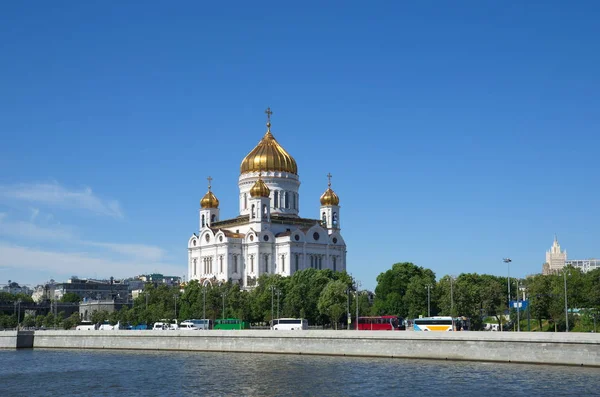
(329, 179)
(209, 181)
(269, 113)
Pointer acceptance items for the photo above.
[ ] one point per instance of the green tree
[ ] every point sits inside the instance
(332, 301)
(70, 297)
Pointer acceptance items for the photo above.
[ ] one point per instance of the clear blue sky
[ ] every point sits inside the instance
(457, 133)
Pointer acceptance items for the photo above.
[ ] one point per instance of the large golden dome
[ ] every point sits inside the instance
(329, 197)
(268, 155)
(209, 200)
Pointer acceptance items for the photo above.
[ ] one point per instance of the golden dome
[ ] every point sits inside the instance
(209, 200)
(268, 155)
(329, 197)
(259, 189)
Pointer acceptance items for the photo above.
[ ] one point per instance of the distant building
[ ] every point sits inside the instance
(87, 308)
(556, 260)
(158, 279)
(14, 288)
(90, 289)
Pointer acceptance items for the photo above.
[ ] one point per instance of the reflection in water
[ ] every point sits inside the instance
(107, 373)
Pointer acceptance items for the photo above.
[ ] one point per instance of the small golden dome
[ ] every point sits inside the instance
(209, 200)
(268, 155)
(260, 189)
(329, 197)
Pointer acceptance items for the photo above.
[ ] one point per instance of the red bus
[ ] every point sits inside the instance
(380, 323)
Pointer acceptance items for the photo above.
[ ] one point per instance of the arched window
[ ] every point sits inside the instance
(203, 222)
(294, 200)
(221, 260)
(245, 201)
(213, 217)
(282, 263)
(276, 199)
(320, 262)
(287, 200)
(334, 264)
(324, 218)
(312, 263)
(252, 264)
(335, 219)
(296, 264)
(235, 270)
(265, 211)
(253, 214)
(195, 260)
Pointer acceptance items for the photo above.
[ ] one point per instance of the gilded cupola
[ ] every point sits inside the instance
(329, 197)
(268, 155)
(209, 200)
(259, 189)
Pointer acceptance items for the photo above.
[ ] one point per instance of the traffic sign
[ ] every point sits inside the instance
(522, 305)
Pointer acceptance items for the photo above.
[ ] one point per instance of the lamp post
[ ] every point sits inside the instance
(428, 300)
(175, 298)
(223, 296)
(357, 302)
(566, 306)
(278, 295)
(204, 303)
(348, 308)
(518, 309)
(272, 311)
(452, 296)
(507, 261)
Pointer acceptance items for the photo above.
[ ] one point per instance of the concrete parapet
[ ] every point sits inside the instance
(8, 339)
(523, 347)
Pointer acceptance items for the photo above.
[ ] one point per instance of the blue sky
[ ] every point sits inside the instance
(457, 134)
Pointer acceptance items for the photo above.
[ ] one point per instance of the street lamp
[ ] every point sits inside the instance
(452, 297)
(278, 295)
(175, 298)
(518, 309)
(428, 300)
(272, 287)
(348, 308)
(204, 303)
(223, 296)
(507, 261)
(357, 302)
(566, 306)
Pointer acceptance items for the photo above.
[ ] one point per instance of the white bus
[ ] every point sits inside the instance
(433, 324)
(194, 324)
(289, 324)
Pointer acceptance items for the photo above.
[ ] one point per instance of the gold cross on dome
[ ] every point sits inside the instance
(269, 113)
(329, 179)
(209, 179)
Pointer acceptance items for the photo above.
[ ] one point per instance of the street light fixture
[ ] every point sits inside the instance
(566, 306)
(223, 296)
(272, 287)
(428, 300)
(507, 261)
(348, 308)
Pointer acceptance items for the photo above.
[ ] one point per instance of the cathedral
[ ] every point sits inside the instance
(268, 236)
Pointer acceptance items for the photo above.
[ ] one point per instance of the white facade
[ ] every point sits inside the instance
(268, 236)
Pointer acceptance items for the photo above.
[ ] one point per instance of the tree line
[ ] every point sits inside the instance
(324, 297)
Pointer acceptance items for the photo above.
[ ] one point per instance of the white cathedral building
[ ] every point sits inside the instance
(268, 236)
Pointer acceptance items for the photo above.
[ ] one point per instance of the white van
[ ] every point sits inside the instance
(86, 326)
(289, 324)
(196, 324)
(161, 326)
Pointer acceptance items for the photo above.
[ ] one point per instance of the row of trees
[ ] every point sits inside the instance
(324, 297)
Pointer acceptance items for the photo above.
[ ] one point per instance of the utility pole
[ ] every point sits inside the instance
(348, 308)
(452, 297)
(272, 311)
(278, 295)
(357, 302)
(223, 296)
(507, 261)
(204, 303)
(566, 306)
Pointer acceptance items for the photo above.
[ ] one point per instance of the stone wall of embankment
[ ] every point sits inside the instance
(523, 347)
(8, 339)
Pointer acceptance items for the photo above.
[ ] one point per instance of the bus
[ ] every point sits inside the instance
(380, 323)
(197, 324)
(230, 323)
(433, 324)
(289, 324)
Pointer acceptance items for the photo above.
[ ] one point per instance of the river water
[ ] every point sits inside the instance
(129, 373)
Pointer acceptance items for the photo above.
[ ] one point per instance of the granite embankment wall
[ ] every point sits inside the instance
(523, 347)
(16, 340)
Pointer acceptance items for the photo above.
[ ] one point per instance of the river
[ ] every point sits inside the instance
(126, 373)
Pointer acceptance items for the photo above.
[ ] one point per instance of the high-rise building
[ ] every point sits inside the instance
(268, 236)
(556, 260)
